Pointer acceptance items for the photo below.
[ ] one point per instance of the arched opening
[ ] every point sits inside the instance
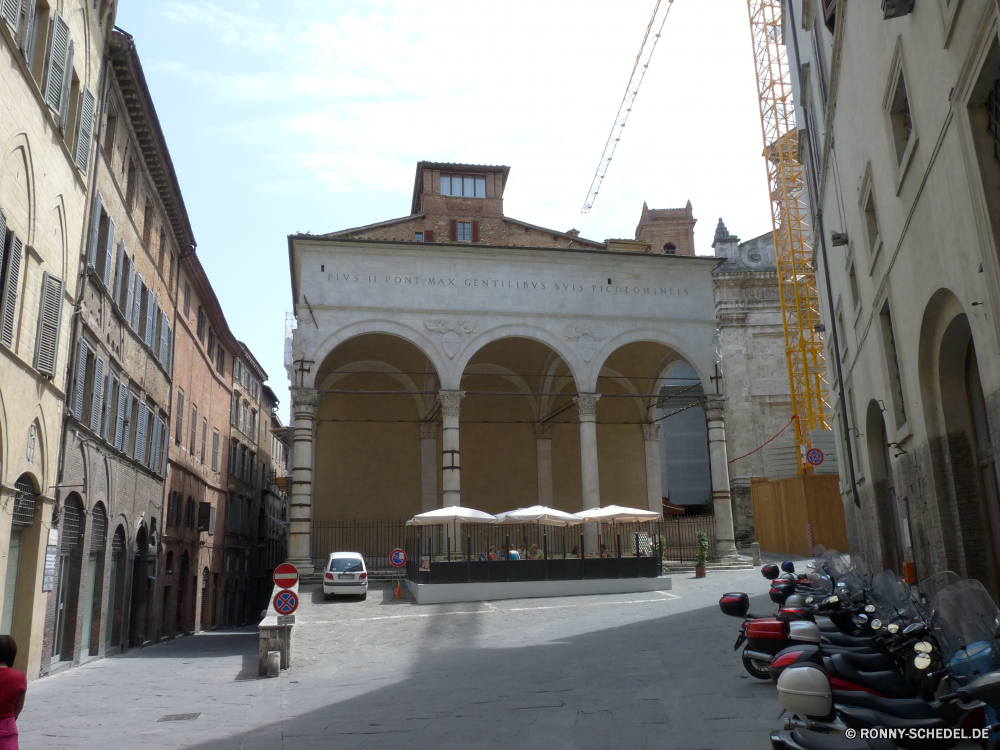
(670, 248)
(116, 589)
(143, 574)
(883, 489)
(94, 588)
(686, 471)
(68, 581)
(520, 449)
(169, 620)
(205, 623)
(19, 591)
(182, 594)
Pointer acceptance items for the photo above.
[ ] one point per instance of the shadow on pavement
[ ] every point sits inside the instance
(672, 682)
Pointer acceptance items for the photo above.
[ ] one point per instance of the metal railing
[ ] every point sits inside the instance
(674, 539)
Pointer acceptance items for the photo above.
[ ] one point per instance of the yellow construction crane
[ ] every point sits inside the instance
(789, 214)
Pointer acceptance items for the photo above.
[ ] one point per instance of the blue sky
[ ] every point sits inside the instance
(305, 115)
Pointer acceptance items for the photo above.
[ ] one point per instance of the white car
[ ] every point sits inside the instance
(345, 575)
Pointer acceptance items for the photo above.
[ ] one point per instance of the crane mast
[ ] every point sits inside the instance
(790, 218)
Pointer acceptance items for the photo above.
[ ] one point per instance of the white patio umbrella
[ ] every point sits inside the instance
(453, 513)
(615, 513)
(538, 514)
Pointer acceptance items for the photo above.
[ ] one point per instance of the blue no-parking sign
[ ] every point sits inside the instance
(286, 602)
(398, 558)
(814, 456)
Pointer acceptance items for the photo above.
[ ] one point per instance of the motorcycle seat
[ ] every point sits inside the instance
(806, 740)
(903, 708)
(867, 662)
(865, 718)
(886, 683)
(839, 639)
(826, 625)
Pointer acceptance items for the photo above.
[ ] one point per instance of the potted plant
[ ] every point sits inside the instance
(699, 565)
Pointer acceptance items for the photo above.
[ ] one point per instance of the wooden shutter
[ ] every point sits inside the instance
(204, 437)
(127, 281)
(58, 51)
(165, 428)
(81, 379)
(86, 132)
(475, 231)
(139, 453)
(211, 521)
(215, 451)
(8, 301)
(109, 252)
(429, 235)
(136, 301)
(27, 42)
(95, 231)
(179, 426)
(95, 395)
(154, 445)
(49, 319)
(150, 332)
(120, 421)
(453, 230)
(164, 340)
(11, 12)
(119, 267)
(66, 88)
(127, 427)
(109, 397)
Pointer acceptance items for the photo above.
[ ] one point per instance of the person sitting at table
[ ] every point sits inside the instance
(492, 554)
(605, 552)
(535, 553)
(514, 555)
(576, 551)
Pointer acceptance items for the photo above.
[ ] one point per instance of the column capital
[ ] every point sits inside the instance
(451, 402)
(428, 430)
(543, 430)
(651, 432)
(587, 404)
(305, 399)
(714, 408)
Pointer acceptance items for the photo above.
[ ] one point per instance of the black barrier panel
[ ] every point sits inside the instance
(449, 572)
(497, 571)
(629, 566)
(527, 570)
(479, 571)
(649, 567)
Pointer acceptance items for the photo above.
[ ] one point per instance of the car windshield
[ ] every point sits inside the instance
(345, 565)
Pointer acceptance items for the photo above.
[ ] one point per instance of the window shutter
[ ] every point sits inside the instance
(81, 379)
(204, 437)
(95, 231)
(11, 12)
(453, 230)
(117, 294)
(215, 451)
(48, 325)
(58, 51)
(429, 235)
(127, 427)
(66, 84)
(120, 421)
(109, 397)
(27, 40)
(136, 301)
(154, 445)
(164, 339)
(150, 319)
(211, 520)
(95, 396)
(234, 412)
(86, 133)
(109, 252)
(165, 427)
(475, 231)
(140, 433)
(179, 427)
(127, 281)
(8, 301)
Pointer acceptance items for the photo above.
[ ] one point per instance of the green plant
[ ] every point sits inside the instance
(702, 542)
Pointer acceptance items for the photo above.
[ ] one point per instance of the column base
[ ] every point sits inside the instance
(303, 564)
(725, 551)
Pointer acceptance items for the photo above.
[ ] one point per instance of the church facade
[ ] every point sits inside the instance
(460, 356)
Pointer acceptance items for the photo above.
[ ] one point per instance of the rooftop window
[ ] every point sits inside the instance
(463, 186)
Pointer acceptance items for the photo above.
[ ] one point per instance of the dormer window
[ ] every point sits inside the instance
(464, 186)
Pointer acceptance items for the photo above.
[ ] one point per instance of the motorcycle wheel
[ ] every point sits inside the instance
(756, 668)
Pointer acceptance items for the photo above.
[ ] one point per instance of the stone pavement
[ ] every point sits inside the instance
(633, 671)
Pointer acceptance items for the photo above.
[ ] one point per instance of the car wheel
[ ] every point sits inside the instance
(327, 597)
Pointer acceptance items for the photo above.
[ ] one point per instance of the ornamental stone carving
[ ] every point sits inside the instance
(587, 404)
(428, 430)
(586, 338)
(451, 402)
(543, 430)
(451, 333)
(305, 399)
(651, 432)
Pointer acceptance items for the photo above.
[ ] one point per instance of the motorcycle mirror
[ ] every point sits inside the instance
(923, 647)
(876, 624)
(869, 608)
(921, 661)
(893, 628)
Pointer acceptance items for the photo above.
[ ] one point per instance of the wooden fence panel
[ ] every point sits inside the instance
(787, 511)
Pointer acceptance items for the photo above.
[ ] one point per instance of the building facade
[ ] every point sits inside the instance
(50, 86)
(898, 119)
(194, 539)
(412, 333)
(116, 423)
(274, 499)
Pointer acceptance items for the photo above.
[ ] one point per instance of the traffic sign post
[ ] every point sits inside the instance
(286, 602)
(398, 558)
(814, 456)
(286, 575)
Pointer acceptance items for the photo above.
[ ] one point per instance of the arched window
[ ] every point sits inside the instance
(23, 516)
(670, 248)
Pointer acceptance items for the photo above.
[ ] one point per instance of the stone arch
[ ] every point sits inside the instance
(370, 365)
(20, 173)
(415, 337)
(683, 347)
(516, 330)
(76, 469)
(56, 229)
(883, 488)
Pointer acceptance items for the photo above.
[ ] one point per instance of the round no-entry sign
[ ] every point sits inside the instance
(286, 575)
(398, 558)
(285, 602)
(815, 456)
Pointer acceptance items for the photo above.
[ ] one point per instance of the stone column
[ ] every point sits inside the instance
(725, 538)
(428, 466)
(305, 402)
(587, 406)
(543, 449)
(654, 482)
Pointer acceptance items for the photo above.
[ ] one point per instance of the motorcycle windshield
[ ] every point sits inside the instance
(962, 614)
(846, 578)
(892, 600)
(930, 587)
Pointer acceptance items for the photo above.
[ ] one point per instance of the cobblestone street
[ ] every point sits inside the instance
(631, 671)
